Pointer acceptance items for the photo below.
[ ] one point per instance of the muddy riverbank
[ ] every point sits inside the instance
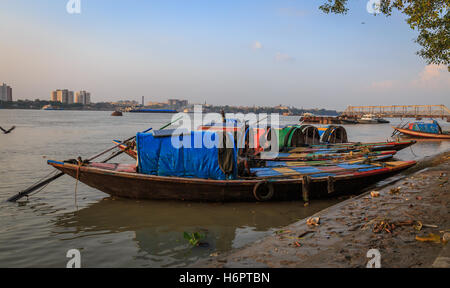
(406, 222)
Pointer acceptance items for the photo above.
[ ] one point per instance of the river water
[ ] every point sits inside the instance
(118, 232)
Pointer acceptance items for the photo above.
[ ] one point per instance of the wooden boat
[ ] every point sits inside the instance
(318, 152)
(443, 135)
(307, 138)
(355, 146)
(318, 156)
(283, 183)
(329, 162)
(424, 130)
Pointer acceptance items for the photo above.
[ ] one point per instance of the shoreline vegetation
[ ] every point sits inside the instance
(107, 106)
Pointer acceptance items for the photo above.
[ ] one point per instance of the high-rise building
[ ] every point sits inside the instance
(5, 93)
(70, 97)
(54, 96)
(79, 98)
(62, 95)
(83, 97)
(9, 94)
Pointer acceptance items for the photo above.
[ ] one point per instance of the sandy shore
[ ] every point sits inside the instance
(396, 222)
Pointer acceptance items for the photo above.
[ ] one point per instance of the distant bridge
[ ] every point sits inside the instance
(400, 111)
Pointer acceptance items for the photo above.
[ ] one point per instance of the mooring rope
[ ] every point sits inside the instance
(48, 175)
(38, 191)
(80, 162)
(412, 151)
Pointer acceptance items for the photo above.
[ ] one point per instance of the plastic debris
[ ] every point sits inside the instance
(395, 190)
(418, 226)
(446, 237)
(375, 194)
(313, 221)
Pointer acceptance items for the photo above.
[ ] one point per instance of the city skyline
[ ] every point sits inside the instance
(236, 53)
(67, 96)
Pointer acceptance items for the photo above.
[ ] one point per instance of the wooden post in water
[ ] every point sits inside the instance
(330, 185)
(305, 188)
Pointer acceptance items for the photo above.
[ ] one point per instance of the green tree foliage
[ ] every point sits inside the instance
(430, 18)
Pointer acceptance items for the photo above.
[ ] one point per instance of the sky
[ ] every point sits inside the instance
(234, 52)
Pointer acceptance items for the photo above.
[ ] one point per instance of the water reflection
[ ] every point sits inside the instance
(158, 226)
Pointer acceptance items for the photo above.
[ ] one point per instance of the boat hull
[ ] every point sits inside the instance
(422, 134)
(140, 186)
(346, 121)
(367, 121)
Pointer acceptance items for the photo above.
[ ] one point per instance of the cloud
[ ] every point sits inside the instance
(431, 72)
(433, 76)
(257, 45)
(281, 57)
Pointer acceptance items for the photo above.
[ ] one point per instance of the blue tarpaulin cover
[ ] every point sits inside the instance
(426, 127)
(157, 156)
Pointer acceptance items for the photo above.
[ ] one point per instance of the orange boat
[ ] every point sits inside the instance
(424, 130)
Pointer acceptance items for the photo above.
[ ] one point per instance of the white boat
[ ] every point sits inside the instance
(368, 119)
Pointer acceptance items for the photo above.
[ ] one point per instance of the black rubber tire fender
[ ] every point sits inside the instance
(258, 189)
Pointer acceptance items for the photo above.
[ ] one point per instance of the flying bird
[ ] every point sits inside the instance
(8, 131)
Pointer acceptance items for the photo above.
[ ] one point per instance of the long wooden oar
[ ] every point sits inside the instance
(36, 186)
(399, 126)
